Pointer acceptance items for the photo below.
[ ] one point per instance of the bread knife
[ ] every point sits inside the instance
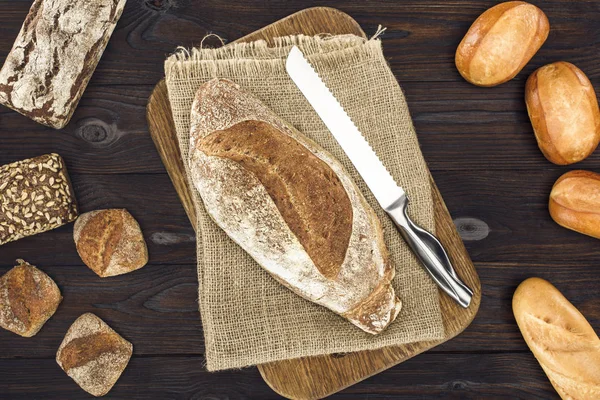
(389, 195)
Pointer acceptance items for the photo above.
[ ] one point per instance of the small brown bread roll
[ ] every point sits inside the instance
(560, 338)
(501, 42)
(110, 242)
(28, 298)
(575, 202)
(563, 109)
(93, 354)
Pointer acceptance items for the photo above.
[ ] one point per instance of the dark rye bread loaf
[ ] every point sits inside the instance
(35, 196)
(28, 298)
(54, 57)
(290, 205)
(93, 354)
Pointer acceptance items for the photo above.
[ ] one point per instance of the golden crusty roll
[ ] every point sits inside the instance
(560, 338)
(110, 242)
(563, 109)
(28, 298)
(575, 202)
(501, 42)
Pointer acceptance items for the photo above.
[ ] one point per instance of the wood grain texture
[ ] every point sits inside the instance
(478, 143)
(156, 308)
(181, 377)
(109, 133)
(320, 376)
(421, 40)
(420, 43)
(513, 207)
(148, 198)
(514, 376)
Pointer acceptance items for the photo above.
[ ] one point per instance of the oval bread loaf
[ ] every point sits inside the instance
(575, 202)
(560, 338)
(563, 108)
(290, 205)
(501, 42)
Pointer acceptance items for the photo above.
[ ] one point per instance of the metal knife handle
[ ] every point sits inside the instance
(430, 252)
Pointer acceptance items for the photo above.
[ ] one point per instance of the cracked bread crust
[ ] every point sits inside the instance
(110, 242)
(245, 203)
(54, 57)
(299, 193)
(28, 298)
(93, 354)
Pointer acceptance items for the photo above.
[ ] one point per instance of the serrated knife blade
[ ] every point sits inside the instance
(388, 193)
(331, 112)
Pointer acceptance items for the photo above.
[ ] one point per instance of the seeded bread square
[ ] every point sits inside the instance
(93, 354)
(35, 196)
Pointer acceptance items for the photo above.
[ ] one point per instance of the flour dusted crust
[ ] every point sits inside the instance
(242, 207)
(110, 242)
(54, 56)
(28, 298)
(93, 354)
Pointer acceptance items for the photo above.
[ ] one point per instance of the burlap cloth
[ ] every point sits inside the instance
(249, 318)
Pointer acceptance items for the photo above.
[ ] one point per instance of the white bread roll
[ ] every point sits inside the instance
(561, 339)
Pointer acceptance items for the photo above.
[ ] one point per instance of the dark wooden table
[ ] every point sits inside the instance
(479, 145)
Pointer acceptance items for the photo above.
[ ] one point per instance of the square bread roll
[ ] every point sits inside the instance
(110, 242)
(28, 298)
(35, 196)
(93, 354)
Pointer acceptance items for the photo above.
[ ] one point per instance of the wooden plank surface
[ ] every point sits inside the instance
(319, 376)
(478, 144)
(162, 319)
(511, 376)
